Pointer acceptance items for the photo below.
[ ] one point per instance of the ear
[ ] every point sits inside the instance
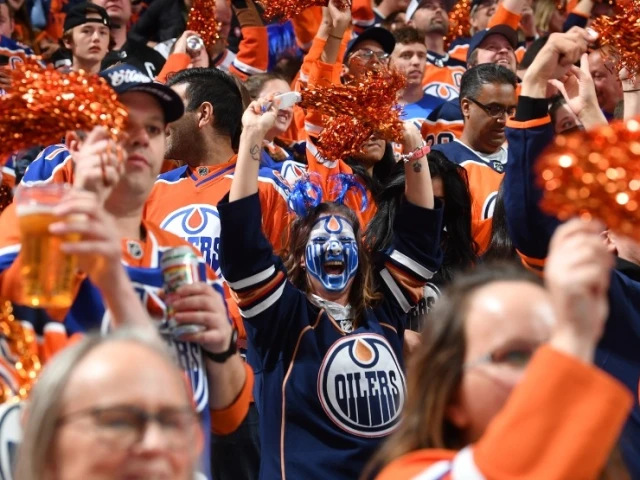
(456, 413)
(610, 242)
(72, 141)
(465, 105)
(205, 115)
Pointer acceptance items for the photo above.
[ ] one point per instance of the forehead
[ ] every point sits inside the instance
(369, 45)
(505, 311)
(332, 223)
(501, 93)
(276, 85)
(432, 3)
(98, 378)
(410, 47)
(4, 9)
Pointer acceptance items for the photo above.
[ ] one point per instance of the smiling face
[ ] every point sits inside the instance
(331, 256)
(285, 115)
(497, 49)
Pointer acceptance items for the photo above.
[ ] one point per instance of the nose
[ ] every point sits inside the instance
(334, 248)
(137, 136)
(153, 439)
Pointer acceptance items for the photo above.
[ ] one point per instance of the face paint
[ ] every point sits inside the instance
(332, 252)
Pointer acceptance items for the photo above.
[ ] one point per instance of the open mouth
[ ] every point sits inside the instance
(334, 268)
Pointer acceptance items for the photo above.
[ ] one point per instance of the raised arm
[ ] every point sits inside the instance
(418, 186)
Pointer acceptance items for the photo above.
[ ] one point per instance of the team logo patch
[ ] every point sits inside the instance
(202, 171)
(10, 438)
(134, 249)
(361, 385)
(199, 224)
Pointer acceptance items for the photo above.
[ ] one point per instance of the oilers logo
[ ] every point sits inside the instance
(442, 90)
(199, 224)
(361, 385)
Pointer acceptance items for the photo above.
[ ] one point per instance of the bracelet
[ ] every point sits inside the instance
(417, 153)
(335, 36)
(632, 90)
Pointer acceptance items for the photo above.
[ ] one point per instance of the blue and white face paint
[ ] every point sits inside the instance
(332, 252)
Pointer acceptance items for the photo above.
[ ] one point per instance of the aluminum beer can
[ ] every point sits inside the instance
(179, 267)
(194, 43)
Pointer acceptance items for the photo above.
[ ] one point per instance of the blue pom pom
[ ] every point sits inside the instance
(304, 195)
(342, 183)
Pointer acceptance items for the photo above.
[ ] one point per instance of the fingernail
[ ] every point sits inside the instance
(592, 33)
(56, 227)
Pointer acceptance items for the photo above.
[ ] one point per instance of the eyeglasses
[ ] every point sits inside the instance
(367, 55)
(495, 111)
(123, 426)
(517, 358)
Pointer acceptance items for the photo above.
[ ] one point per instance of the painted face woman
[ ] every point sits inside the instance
(326, 326)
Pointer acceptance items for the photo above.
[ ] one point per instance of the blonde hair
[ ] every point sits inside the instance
(44, 406)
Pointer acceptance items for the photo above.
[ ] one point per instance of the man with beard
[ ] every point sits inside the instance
(487, 99)
(443, 74)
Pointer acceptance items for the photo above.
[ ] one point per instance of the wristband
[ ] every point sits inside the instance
(417, 153)
(632, 90)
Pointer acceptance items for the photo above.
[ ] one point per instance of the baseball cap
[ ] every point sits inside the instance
(416, 4)
(505, 30)
(377, 34)
(127, 78)
(78, 15)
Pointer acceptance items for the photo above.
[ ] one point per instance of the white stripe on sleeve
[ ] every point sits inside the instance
(266, 303)
(253, 279)
(395, 289)
(412, 265)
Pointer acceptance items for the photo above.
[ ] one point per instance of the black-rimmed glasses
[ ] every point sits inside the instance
(495, 111)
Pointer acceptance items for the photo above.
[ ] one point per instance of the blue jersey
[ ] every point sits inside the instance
(421, 109)
(531, 230)
(327, 392)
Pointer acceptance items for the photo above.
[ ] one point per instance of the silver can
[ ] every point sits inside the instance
(179, 267)
(194, 44)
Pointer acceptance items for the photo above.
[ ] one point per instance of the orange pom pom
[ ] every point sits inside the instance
(620, 36)
(202, 20)
(43, 104)
(459, 25)
(595, 174)
(285, 9)
(357, 110)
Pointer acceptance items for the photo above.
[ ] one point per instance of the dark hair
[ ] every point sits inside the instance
(459, 248)
(434, 370)
(363, 293)
(474, 78)
(219, 89)
(500, 247)
(408, 35)
(382, 170)
(256, 83)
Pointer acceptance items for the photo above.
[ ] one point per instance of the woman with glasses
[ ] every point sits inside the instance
(503, 385)
(111, 407)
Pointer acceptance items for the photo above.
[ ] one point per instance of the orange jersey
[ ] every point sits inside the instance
(560, 422)
(485, 174)
(442, 76)
(183, 202)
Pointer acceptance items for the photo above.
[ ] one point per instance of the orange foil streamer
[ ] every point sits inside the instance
(43, 104)
(357, 110)
(202, 20)
(595, 174)
(459, 25)
(285, 9)
(19, 358)
(620, 36)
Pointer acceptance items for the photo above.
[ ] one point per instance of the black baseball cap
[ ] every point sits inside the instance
(377, 34)
(505, 30)
(127, 78)
(79, 13)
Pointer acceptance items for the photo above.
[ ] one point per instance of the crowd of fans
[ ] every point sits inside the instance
(405, 312)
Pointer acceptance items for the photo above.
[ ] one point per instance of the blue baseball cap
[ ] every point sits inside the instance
(127, 78)
(377, 34)
(505, 30)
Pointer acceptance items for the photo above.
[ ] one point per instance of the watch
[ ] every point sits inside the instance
(224, 356)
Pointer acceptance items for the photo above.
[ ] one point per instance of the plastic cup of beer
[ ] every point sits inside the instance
(47, 273)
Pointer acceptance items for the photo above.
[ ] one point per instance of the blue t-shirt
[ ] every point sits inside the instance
(421, 109)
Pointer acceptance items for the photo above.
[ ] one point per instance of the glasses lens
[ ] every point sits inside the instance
(120, 426)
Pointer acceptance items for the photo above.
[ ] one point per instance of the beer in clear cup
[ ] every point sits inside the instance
(47, 273)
